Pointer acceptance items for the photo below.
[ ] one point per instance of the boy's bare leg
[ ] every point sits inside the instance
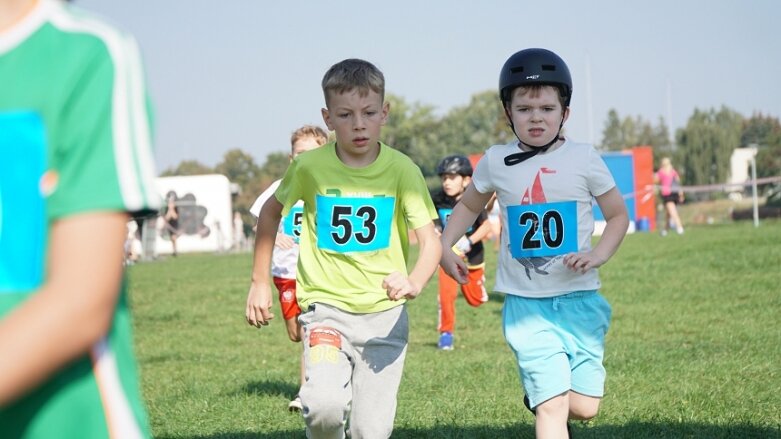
(582, 407)
(552, 418)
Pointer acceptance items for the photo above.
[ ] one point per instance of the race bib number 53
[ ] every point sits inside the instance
(292, 222)
(537, 230)
(352, 224)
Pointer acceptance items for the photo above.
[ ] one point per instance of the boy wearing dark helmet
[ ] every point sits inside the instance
(455, 171)
(554, 319)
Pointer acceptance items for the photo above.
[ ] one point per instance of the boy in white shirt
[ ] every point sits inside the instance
(554, 319)
(285, 256)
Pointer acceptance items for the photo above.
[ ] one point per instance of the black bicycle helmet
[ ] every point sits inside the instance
(534, 67)
(455, 164)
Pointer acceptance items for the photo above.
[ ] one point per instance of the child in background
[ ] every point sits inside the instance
(456, 173)
(360, 197)
(554, 319)
(670, 189)
(494, 220)
(285, 256)
(171, 219)
(76, 161)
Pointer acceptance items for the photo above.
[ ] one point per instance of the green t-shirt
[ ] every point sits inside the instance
(74, 138)
(355, 225)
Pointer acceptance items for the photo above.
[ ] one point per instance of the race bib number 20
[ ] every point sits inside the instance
(354, 224)
(538, 230)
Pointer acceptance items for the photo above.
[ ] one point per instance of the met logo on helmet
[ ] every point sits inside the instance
(533, 77)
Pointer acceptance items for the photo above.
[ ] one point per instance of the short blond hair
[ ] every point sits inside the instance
(352, 74)
(313, 131)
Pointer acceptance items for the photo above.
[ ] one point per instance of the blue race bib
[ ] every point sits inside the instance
(354, 224)
(537, 230)
(444, 216)
(22, 208)
(291, 223)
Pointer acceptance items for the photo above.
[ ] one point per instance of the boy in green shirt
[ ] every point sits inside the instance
(360, 196)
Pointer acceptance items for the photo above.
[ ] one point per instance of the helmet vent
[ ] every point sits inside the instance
(516, 69)
(549, 67)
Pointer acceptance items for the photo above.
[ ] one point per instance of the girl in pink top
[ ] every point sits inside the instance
(667, 177)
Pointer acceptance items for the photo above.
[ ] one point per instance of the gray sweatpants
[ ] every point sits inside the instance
(353, 365)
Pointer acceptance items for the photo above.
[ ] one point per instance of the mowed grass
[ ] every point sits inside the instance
(694, 350)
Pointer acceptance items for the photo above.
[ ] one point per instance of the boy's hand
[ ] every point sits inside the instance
(284, 242)
(258, 311)
(399, 286)
(583, 262)
(454, 266)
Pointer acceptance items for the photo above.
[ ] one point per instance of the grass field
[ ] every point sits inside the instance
(694, 350)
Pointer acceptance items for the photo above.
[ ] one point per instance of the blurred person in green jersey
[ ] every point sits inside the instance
(76, 164)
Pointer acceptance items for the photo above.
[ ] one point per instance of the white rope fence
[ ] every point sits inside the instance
(648, 191)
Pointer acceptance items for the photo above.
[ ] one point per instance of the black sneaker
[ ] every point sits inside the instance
(527, 404)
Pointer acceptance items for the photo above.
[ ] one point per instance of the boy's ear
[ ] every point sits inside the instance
(326, 118)
(566, 115)
(385, 111)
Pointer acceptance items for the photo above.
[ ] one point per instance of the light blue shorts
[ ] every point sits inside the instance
(559, 343)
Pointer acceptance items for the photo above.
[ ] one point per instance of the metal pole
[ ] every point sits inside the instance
(754, 190)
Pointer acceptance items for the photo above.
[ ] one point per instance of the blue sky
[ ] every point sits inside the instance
(244, 74)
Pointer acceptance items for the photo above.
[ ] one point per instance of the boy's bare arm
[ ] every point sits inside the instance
(258, 309)
(82, 285)
(464, 215)
(614, 210)
(481, 233)
(428, 255)
(399, 286)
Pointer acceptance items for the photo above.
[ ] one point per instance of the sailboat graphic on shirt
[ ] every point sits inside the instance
(536, 195)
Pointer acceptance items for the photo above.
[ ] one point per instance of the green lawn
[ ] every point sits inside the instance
(694, 350)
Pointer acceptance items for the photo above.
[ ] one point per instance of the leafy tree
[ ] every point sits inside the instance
(622, 134)
(761, 130)
(238, 166)
(613, 135)
(411, 128)
(187, 167)
(275, 166)
(765, 132)
(472, 128)
(706, 144)
(659, 138)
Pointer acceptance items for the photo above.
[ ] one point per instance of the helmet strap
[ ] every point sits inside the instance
(520, 157)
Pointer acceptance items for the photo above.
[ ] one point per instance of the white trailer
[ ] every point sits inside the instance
(205, 215)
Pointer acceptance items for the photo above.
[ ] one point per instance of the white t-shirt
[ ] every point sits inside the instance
(283, 261)
(552, 191)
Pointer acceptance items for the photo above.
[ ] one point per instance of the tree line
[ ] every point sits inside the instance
(701, 150)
